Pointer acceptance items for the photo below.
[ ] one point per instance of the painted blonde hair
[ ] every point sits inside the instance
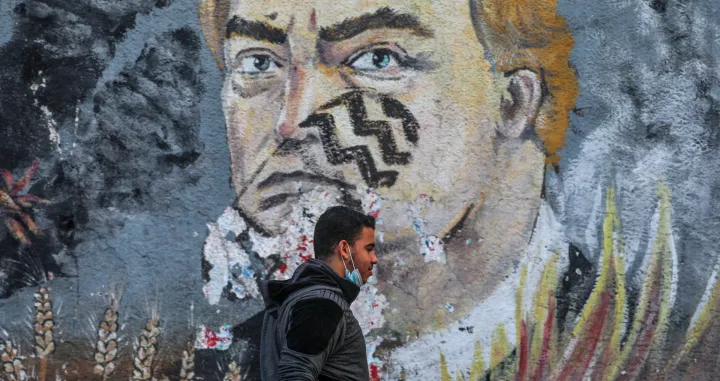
(519, 34)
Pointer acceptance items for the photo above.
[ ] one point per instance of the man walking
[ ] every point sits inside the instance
(309, 332)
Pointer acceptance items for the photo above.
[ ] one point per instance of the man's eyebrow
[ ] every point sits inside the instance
(382, 18)
(255, 29)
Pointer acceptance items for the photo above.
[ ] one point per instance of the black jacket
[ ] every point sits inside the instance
(316, 335)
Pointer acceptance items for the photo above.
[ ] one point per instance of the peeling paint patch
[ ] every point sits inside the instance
(433, 249)
(374, 364)
(371, 201)
(230, 264)
(207, 339)
(231, 222)
(431, 246)
(296, 244)
(368, 307)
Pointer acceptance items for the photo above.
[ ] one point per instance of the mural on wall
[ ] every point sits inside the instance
(545, 177)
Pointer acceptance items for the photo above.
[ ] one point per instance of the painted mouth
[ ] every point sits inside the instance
(278, 199)
(281, 179)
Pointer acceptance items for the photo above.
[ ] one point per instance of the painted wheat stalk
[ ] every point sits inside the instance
(233, 373)
(187, 368)
(444, 374)
(146, 351)
(106, 348)
(12, 365)
(43, 327)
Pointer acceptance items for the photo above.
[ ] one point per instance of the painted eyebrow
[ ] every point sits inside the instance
(383, 18)
(257, 30)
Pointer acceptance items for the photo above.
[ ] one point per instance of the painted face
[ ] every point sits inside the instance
(395, 96)
(341, 95)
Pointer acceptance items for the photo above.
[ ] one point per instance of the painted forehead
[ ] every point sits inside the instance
(418, 16)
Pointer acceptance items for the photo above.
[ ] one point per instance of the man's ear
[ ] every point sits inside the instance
(344, 252)
(519, 102)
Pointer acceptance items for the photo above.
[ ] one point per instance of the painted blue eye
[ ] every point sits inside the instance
(381, 59)
(258, 63)
(378, 59)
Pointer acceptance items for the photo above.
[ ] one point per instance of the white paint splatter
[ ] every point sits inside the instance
(50, 120)
(51, 125)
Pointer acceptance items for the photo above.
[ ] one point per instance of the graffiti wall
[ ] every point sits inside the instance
(545, 177)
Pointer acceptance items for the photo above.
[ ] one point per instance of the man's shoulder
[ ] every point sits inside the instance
(313, 323)
(326, 292)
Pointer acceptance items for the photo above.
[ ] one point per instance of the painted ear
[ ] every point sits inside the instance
(520, 102)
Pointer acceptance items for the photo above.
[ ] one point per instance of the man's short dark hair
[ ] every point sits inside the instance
(339, 223)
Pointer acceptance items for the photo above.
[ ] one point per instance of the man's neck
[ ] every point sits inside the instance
(336, 264)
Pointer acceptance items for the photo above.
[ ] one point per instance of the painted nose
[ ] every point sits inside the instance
(298, 103)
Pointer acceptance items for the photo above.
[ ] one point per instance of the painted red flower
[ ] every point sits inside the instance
(16, 205)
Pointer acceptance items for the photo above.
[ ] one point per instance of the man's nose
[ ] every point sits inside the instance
(298, 102)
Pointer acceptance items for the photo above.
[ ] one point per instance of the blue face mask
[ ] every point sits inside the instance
(353, 276)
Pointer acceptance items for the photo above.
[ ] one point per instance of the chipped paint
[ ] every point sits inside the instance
(368, 307)
(432, 247)
(207, 339)
(229, 262)
(370, 200)
(375, 364)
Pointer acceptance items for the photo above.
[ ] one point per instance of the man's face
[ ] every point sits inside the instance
(393, 95)
(363, 254)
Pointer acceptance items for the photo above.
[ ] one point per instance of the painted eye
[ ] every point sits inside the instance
(378, 59)
(258, 63)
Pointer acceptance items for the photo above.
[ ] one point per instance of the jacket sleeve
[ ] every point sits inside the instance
(312, 333)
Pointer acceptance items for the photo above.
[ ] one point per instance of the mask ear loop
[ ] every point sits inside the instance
(351, 258)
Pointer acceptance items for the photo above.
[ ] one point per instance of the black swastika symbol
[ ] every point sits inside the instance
(382, 130)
